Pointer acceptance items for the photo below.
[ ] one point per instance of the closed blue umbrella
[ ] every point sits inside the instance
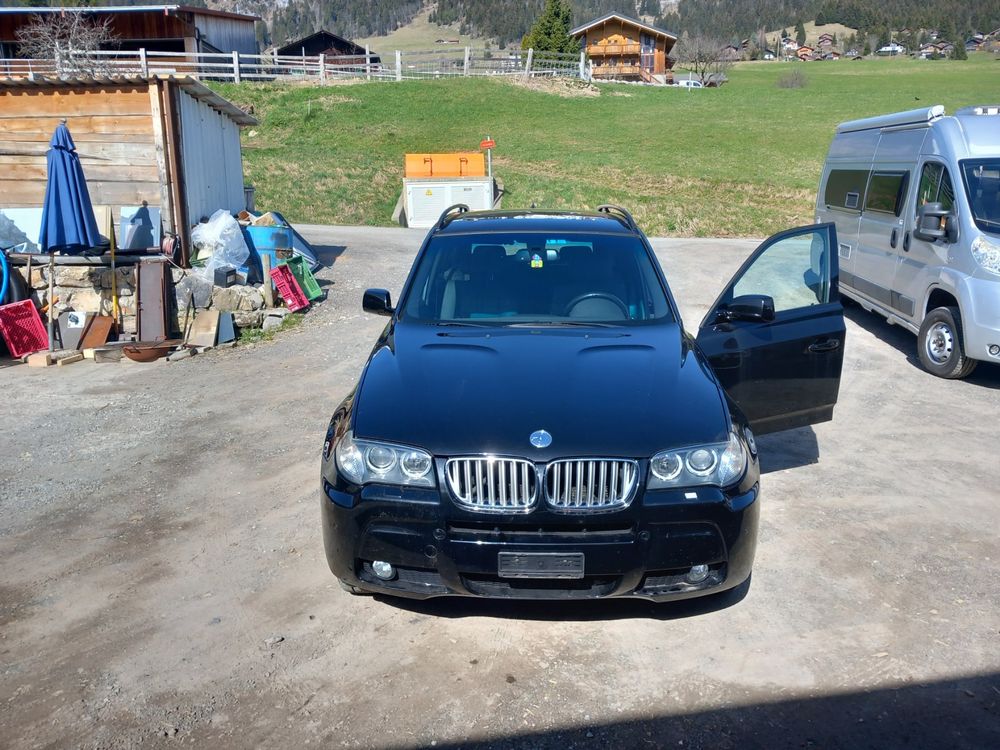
(68, 223)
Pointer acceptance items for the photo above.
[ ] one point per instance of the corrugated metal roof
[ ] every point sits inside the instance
(194, 88)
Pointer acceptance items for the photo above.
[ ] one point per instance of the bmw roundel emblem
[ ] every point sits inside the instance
(540, 439)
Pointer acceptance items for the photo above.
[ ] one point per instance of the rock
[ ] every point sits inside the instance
(78, 276)
(248, 318)
(234, 298)
(192, 283)
(271, 323)
(273, 640)
(85, 300)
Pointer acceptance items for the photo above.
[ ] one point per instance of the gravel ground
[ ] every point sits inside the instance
(163, 579)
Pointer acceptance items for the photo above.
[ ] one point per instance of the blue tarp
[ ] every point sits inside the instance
(68, 223)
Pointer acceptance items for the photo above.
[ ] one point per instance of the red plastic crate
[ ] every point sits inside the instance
(288, 288)
(22, 328)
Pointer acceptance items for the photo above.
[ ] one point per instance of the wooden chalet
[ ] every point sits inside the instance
(324, 42)
(157, 28)
(625, 49)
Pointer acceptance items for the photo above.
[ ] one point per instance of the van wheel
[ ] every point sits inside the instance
(939, 345)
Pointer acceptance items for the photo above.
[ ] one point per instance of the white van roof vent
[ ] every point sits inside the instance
(910, 117)
(982, 109)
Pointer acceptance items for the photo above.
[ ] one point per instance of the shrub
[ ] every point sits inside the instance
(794, 79)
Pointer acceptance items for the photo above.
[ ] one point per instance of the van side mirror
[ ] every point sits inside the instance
(377, 301)
(757, 307)
(935, 222)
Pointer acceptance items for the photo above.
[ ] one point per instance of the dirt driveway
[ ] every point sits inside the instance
(163, 579)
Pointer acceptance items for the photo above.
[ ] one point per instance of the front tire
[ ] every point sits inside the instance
(940, 347)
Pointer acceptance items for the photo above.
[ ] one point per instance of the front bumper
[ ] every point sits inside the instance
(439, 549)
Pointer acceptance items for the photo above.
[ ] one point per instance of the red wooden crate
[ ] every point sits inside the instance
(289, 288)
(22, 328)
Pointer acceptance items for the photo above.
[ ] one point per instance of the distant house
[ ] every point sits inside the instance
(853, 52)
(625, 49)
(891, 50)
(770, 54)
(825, 40)
(324, 42)
(805, 52)
(159, 28)
(831, 55)
(730, 52)
(947, 49)
(928, 50)
(974, 44)
(789, 44)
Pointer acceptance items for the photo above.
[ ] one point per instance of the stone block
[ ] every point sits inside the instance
(236, 298)
(78, 276)
(192, 283)
(248, 318)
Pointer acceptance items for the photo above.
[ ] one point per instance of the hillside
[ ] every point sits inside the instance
(334, 154)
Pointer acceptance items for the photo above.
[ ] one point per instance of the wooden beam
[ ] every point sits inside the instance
(166, 198)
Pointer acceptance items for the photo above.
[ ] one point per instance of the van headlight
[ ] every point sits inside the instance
(987, 254)
(368, 461)
(720, 464)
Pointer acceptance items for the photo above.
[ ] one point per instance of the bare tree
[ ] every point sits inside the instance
(703, 55)
(70, 40)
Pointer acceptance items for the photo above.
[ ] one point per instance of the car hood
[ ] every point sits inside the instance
(598, 392)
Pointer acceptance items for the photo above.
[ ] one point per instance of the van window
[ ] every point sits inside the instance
(886, 191)
(845, 188)
(936, 186)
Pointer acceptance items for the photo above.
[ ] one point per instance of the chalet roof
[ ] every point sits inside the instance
(626, 19)
(111, 9)
(194, 88)
(295, 43)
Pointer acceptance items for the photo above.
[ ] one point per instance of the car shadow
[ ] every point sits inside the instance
(595, 610)
(790, 449)
(986, 374)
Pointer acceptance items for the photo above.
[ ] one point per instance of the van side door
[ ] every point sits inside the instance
(919, 258)
(775, 336)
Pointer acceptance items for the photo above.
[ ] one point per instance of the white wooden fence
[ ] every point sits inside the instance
(236, 67)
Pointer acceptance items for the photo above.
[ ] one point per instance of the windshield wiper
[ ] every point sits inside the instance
(561, 324)
(461, 324)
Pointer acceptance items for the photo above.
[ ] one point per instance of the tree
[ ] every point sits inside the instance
(702, 55)
(800, 34)
(551, 31)
(959, 53)
(70, 40)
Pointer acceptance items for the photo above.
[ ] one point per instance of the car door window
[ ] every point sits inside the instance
(793, 272)
(936, 186)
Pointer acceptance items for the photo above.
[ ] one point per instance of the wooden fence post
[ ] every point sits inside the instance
(322, 68)
(465, 67)
(368, 62)
(399, 65)
(236, 67)
(143, 62)
(527, 64)
(583, 65)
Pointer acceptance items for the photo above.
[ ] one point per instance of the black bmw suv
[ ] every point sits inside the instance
(535, 422)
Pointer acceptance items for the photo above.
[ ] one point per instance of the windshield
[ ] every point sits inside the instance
(982, 180)
(565, 279)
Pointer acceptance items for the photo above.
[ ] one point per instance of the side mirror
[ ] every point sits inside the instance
(935, 222)
(377, 301)
(757, 307)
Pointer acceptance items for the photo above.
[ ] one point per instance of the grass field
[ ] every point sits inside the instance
(743, 160)
(419, 34)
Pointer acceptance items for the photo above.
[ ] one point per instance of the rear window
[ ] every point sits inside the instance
(536, 278)
(886, 191)
(845, 188)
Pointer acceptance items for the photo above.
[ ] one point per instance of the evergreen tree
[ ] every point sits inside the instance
(959, 53)
(800, 34)
(551, 31)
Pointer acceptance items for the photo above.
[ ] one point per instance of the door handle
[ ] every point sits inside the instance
(828, 345)
(892, 239)
(906, 242)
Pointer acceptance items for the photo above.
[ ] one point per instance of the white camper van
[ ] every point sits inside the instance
(914, 198)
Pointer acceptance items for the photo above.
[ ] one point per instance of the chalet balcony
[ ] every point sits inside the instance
(616, 71)
(606, 50)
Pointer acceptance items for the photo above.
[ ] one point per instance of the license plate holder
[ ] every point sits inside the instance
(552, 565)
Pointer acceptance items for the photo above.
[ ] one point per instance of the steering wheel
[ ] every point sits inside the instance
(597, 295)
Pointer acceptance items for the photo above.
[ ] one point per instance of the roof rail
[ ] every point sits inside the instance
(619, 213)
(898, 119)
(446, 215)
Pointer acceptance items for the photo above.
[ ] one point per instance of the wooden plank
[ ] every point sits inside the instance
(44, 135)
(106, 124)
(92, 172)
(136, 154)
(28, 194)
(205, 328)
(87, 102)
(75, 357)
(166, 196)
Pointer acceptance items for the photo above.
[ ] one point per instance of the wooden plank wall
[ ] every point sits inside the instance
(113, 131)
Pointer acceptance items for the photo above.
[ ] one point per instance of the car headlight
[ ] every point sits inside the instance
(367, 461)
(987, 254)
(719, 464)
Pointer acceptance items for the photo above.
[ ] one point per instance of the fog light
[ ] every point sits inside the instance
(697, 574)
(994, 350)
(385, 571)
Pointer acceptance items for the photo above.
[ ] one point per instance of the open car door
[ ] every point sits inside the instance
(775, 336)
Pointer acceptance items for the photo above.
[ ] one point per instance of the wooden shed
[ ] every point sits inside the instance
(626, 49)
(162, 141)
(326, 43)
